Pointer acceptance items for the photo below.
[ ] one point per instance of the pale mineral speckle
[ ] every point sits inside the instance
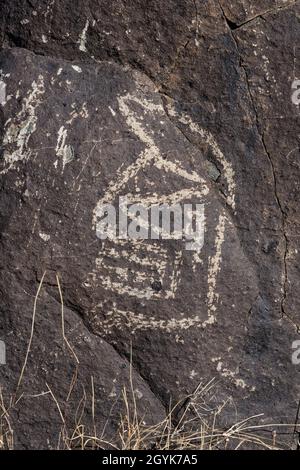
(179, 339)
(240, 383)
(193, 374)
(215, 359)
(18, 183)
(76, 68)
(138, 394)
(44, 236)
(113, 392)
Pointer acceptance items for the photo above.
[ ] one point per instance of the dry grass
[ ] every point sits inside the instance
(195, 429)
(194, 423)
(6, 431)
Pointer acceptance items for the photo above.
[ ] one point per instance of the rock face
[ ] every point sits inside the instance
(172, 102)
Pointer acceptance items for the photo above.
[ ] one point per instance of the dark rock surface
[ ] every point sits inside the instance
(160, 101)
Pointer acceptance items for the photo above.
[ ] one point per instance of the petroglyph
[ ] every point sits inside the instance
(3, 95)
(209, 139)
(158, 256)
(233, 376)
(151, 155)
(20, 129)
(146, 270)
(82, 37)
(214, 266)
(145, 263)
(63, 151)
(83, 113)
(118, 319)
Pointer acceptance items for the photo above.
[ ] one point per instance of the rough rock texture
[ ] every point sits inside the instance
(177, 100)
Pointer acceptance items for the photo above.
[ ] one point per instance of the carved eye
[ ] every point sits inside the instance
(156, 286)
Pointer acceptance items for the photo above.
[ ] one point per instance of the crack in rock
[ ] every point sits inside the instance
(285, 282)
(234, 26)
